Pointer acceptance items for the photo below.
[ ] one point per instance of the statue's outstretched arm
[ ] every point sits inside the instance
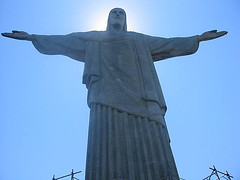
(70, 45)
(20, 35)
(211, 35)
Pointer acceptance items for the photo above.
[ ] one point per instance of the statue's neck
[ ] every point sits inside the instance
(116, 28)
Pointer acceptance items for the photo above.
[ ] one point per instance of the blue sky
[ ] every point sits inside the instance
(43, 110)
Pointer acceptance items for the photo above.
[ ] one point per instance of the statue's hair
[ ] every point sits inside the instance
(125, 22)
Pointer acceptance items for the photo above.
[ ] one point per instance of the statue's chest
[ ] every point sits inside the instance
(119, 54)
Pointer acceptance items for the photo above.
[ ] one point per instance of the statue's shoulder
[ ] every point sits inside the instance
(145, 35)
(86, 33)
(137, 34)
(89, 35)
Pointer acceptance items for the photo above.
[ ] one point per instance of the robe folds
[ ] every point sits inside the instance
(128, 137)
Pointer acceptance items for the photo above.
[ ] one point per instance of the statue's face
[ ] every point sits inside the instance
(117, 17)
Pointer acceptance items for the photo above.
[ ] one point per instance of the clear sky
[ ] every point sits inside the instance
(43, 110)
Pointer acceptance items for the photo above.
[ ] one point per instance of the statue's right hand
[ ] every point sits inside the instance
(20, 35)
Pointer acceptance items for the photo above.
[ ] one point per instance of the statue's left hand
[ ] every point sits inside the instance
(211, 35)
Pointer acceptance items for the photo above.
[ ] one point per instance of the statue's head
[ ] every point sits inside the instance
(117, 20)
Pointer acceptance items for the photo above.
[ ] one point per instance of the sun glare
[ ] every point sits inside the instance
(98, 20)
(101, 22)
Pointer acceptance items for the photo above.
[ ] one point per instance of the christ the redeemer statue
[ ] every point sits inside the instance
(128, 137)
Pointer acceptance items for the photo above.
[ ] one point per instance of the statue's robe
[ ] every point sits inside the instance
(128, 137)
